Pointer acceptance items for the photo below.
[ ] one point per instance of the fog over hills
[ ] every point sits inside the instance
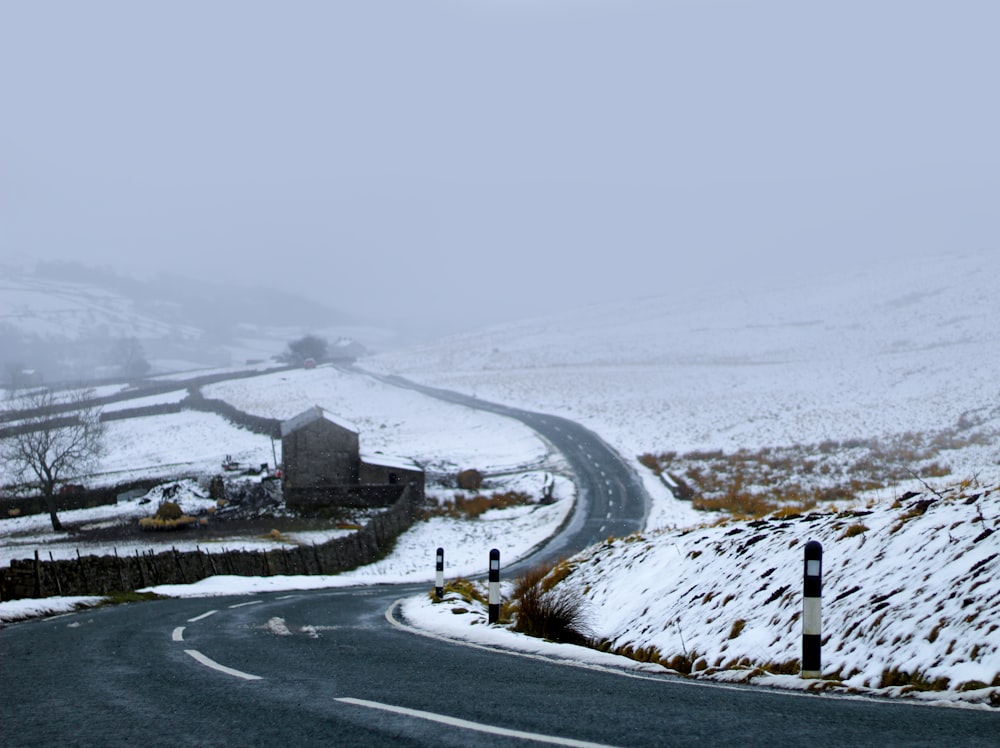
(64, 320)
(877, 351)
(874, 352)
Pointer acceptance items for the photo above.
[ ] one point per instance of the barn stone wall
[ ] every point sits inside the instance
(318, 455)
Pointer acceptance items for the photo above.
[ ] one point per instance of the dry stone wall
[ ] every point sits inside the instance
(102, 575)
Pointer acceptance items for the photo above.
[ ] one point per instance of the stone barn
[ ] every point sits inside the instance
(322, 466)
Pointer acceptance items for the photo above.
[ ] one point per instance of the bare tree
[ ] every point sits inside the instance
(310, 346)
(129, 355)
(49, 449)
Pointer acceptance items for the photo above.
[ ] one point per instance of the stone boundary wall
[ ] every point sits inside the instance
(144, 411)
(83, 499)
(256, 424)
(145, 388)
(102, 575)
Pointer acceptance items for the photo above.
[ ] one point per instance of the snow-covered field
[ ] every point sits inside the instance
(896, 349)
(439, 436)
(443, 438)
(892, 349)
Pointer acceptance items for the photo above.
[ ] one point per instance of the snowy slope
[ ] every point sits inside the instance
(891, 349)
(52, 309)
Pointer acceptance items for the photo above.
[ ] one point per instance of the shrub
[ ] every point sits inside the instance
(788, 667)
(915, 681)
(855, 529)
(682, 663)
(651, 462)
(169, 510)
(469, 508)
(554, 614)
(470, 480)
(557, 615)
(465, 589)
(168, 517)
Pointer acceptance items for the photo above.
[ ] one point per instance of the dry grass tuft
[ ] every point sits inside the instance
(539, 609)
(169, 516)
(752, 484)
(856, 529)
(915, 681)
(462, 507)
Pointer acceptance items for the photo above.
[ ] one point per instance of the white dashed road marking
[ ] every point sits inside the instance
(207, 662)
(466, 725)
(178, 635)
(243, 605)
(203, 615)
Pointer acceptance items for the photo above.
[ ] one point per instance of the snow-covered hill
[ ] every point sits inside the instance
(886, 350)
(64, 321)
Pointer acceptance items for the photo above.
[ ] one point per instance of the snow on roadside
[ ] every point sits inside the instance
(911, 592)
(911, 599)
(22, 610)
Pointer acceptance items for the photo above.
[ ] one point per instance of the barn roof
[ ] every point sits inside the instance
(389, 461)
(315, 413)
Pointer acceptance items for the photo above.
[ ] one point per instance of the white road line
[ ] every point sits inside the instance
(243, 605)
(627, 663)
(203, 615)
(178, 635)
(466, 725)
(221, 668)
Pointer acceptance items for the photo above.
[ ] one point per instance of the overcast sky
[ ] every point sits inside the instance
(458, 162)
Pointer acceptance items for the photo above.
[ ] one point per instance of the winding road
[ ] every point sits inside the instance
(341, 668)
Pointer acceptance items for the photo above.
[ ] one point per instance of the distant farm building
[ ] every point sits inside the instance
(322, 466)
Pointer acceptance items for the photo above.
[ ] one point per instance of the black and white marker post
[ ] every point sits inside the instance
(812, 592)
(494, 586)
(439, 574)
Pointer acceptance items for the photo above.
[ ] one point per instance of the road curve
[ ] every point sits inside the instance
(611, 499)
(327, 668)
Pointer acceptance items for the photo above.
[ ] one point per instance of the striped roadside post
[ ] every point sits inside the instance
(439, 574)
(812, 592)
(494, 586)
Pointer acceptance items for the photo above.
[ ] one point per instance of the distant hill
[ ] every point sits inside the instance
(67, 320)
(195, 302)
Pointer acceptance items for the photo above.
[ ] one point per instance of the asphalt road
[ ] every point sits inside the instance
(342, 674)
(612, 499)
(331, 668)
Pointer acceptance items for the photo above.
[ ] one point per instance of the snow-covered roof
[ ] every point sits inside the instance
(312, 414)
(390, 461)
